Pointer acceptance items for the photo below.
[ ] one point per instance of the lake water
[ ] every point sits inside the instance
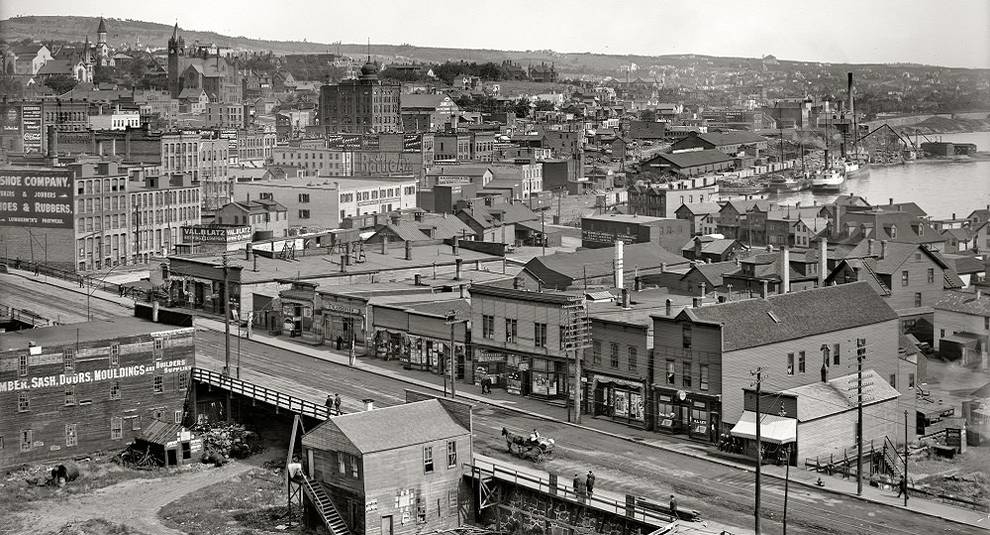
(941, 189)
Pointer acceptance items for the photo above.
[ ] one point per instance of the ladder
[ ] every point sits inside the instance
(325, 508)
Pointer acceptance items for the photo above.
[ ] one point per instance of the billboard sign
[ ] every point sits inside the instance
(36, 198)
(32, 128)
(373, 163)
(10, 118)
(216, 234)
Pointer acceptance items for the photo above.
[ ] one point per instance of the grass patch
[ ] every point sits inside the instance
(97, 526)
(254, 501)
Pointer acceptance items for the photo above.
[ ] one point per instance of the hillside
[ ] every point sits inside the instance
(126, 33)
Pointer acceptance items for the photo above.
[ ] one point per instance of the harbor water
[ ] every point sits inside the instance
(938, 187)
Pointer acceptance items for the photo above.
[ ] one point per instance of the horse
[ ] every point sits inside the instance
(513, 439)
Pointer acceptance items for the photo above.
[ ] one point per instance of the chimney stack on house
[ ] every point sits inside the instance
(409, 255)
(457, 268)
(764, 291)
(625, 298)
(668, 307)
(822, 261)
(869, 247)
(883, 249)
(384, 244)
(617, 264)
(786, 270)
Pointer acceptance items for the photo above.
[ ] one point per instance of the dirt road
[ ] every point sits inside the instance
(134, 503)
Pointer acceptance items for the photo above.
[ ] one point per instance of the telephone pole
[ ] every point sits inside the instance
(860, 356)
(226, 317)
(905, 457)
(759, 449)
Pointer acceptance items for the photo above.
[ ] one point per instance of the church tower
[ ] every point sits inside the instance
(102, 48)
(176, 48)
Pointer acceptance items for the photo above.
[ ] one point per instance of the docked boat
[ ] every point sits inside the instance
(779, 183)
(854, 169)
(732, 187)
(828, 180)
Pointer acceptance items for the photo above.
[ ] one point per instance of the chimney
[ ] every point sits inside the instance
(822, 261)
(369, 404)
(461, 288)
(477, 265)
(637, 284)
(409, 250)
(953, 216)
(625, 298)
(457, 268)
(696, 302)
(154, 311)
(515, 283)
(890, 201)
(883, 249)
(869, 247)
(418, 216)
(453, 246)
(838, 220)
(663, 267)
(618, 263)
(979, 294)
(417, 280)
(247, 251)
(704, 287)
(668, 307)
(384, 244)
(786, 268)
(764, 291)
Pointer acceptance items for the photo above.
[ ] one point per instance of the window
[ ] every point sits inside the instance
(540, 334)
(670, 372)
(342, 463)
(487, 327)
(893, 380)
(511, 326)
(941, 333)
(596, 352)
(904, 278)
(22, 365)
(115, 390)
(303, 214)
(428, 459)
(23, 402)
(686, 374)
(177, 417)
(183, 380)
(70, 435)
(986, 322)
(159, 384)
(304, 197)
(801, 360)
(686, 336)
(136, 423)
(68, 359)
(790, 364)
(420, 508)
(917, 299)
(27, 439)
(835, 354)
(910, 380)
(116, 428)
(70, 395)
(613, 355)
(451, 453)
(703, 379)
(860, 348)
(931, 275)
(115, 354)
(633, 362)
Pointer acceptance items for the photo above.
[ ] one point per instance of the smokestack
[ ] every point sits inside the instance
(618, 263)
(369, 404)
(384, 244)
(668, 306)
(786, 268)
(625, 298)
(883, 249)
(154, 311)
(764, 291)
(453, 246)
(457, 268)
(409, 250)
(822, 261)
(869, 247)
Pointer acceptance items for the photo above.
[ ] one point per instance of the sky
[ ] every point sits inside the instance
(953, 33)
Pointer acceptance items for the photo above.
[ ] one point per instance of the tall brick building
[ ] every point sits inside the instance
(364, 105)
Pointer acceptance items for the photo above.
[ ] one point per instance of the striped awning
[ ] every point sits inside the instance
(773, 429)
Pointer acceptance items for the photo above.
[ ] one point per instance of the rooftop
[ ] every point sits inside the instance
(974, 304)
(817, 400)
(695, 158)
(626, 218)
(89, 331)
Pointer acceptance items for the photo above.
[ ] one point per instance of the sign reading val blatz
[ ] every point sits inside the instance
(215, 234)
(36, 198)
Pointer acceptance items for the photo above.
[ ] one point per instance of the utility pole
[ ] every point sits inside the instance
(759, 449)
(452, 321)
(905, 457)
(450, 361)
(860, 356)
(787, 473)
(226, 317)
(543, 232)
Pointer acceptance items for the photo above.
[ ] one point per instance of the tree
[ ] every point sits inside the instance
(648, 115)
(104, 75)
(544, 105)
(521, 108)
(61, 83)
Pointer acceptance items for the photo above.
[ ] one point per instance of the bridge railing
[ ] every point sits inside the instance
(263, 394)
(630, 508)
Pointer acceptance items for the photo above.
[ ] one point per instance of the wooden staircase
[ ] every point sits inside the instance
(325, 508)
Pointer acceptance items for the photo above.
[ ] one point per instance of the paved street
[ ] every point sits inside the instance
(723, 494)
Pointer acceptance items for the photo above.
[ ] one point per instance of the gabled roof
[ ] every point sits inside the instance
(906, 207)
(894, 255)
(731, 138)
(741, 206)
(693, 158)
(710, 245)
(499, 214)
(389, 428)
(700, 208)
(817, 400)
(713, 272)
(759, 322)
(160, 432)
(599, 262)
(959, 234)
(58, 66)
(965, 303)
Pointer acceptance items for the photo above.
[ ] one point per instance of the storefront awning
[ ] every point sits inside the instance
(773, 429)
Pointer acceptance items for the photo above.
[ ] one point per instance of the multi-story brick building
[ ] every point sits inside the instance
(704, 356)
(364, 105)
(518, 339)
(320, 161)
(159, 208)
(68, 391)
(395, 470)
(663, 200)
(224, 115)
(205, 157)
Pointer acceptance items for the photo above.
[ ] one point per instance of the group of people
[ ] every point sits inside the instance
(584, 487)
(333, 404)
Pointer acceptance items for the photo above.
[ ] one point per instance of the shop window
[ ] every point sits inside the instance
(703, 377)
(70, 435)
(116, 428)
(428, 459)
(670, 372)
(613, 355)
(686, 374)
(451, 453)
(633, 362)
(596, 352)
(790, 364)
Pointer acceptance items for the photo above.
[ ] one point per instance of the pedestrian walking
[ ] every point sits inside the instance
(673, 506)
(579, 487)
(80, 282)
(902, 487)
(336, 403)
(590, 483)
(486, 385)
(329, 403)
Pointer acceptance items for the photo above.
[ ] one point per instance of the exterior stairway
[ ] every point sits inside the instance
(325, 508)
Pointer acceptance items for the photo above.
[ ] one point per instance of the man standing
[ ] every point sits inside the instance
(673, 507)
(579, 488)
(336, 403)
(329, 404)
(902, 487)
(590, 482)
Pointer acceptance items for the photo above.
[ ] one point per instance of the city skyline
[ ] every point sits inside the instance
(874, 32)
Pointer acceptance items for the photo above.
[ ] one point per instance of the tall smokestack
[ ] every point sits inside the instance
(786, 268)
(618, 263)
(852, 112)
(822, 261)
(457, 268)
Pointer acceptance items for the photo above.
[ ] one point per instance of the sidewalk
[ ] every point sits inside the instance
(539, 409)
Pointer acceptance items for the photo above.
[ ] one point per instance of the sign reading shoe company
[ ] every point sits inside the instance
(36, 198)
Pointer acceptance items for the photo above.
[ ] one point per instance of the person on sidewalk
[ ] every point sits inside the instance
(579, 488)
(329, 403)
(486, 385)
(902, 487)
(336, 403)
(673, 507)
(590, 483)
